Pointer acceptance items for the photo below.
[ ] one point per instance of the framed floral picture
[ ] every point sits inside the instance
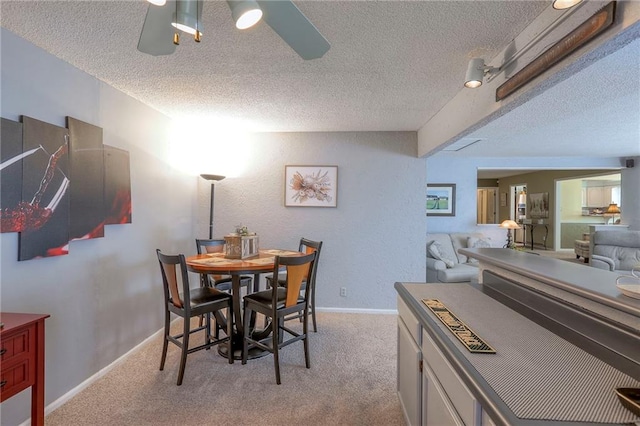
(441, 199)
(310, 186)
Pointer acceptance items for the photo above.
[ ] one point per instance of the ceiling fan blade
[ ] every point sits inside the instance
(156, 37)
(294, 28)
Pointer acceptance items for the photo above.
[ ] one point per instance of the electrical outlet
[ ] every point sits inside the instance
(343, 291)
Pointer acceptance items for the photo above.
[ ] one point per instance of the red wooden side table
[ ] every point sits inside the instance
(22, 357)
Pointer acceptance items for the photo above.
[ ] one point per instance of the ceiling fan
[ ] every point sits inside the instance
(159, 34)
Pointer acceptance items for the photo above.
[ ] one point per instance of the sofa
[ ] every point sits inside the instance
(617, 251)
(445, 264)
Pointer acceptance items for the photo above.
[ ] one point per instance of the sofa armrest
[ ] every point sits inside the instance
(602, 262)
(436, 264)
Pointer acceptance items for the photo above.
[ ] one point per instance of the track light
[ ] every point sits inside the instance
(245, 13)
(476, 72)
(188, 17)
(564, 4)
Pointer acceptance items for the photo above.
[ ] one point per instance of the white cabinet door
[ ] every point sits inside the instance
(437, 408)
(595, 197)
(409, 376)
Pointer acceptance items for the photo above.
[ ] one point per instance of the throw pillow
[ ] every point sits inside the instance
(435, 250)
(473, 242)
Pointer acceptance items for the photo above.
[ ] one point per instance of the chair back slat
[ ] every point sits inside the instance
(210, 246)
(295, 275)
(172, 281)
(174, 276)
(298, 267)
(309, 246)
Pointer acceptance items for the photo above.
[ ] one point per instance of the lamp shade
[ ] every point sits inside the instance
(564, 4)
(245, 13)
(188, 16)
(613, 209)
(522, 198)
(509, 224)
(212, 177)
(475, 73)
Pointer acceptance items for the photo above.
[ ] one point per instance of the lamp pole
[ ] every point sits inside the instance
(213, 179)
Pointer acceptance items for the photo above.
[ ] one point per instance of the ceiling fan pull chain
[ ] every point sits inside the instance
(196, 36)
(176, 36)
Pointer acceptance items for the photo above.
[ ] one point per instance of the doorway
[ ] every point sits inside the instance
(518, 211)
(487, 206)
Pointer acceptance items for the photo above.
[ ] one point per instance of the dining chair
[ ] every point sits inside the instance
(220, 282)
(278, 302)
(305, 246)
(187, 303)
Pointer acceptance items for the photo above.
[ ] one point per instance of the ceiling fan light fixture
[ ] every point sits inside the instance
(564, 4)
(245, 13)
(187, 16)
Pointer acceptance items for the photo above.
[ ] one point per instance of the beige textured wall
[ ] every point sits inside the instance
(540, 182)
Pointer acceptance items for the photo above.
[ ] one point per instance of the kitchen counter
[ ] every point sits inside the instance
(565, 339)
(534, 377)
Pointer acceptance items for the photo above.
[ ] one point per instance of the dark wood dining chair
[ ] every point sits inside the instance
(187, 303)
(305, 246)
(277, 303)
(220, 282)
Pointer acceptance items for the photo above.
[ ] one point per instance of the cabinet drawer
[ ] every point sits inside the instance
(415, 329)
(464, 402)
(16, 378)
(16, 346)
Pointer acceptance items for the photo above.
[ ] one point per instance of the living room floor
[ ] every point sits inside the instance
(563, 254)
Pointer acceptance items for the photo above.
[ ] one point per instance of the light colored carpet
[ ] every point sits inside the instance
(352, 381)
(567, 255)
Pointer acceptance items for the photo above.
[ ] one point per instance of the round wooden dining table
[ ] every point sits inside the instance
(218, 264)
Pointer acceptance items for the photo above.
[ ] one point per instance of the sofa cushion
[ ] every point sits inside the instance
(436, 251)
(462, 272)
(623, 247)
(475, 242)
(446, 247)
(459, 240)
(624, 258)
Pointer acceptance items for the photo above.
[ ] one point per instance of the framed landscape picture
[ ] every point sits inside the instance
(310, 186)
(441, 199)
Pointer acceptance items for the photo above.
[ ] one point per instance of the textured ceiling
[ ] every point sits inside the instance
(392, 64)
(595, 113)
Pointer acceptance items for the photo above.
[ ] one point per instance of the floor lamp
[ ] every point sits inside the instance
(213, 179)
(509, 225)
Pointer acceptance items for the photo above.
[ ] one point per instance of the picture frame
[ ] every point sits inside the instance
(441, 199)
(310, 186)
(538, 205)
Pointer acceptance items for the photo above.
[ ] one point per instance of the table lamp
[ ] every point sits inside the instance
(213, 179)
(613, 210)
(509, 225)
